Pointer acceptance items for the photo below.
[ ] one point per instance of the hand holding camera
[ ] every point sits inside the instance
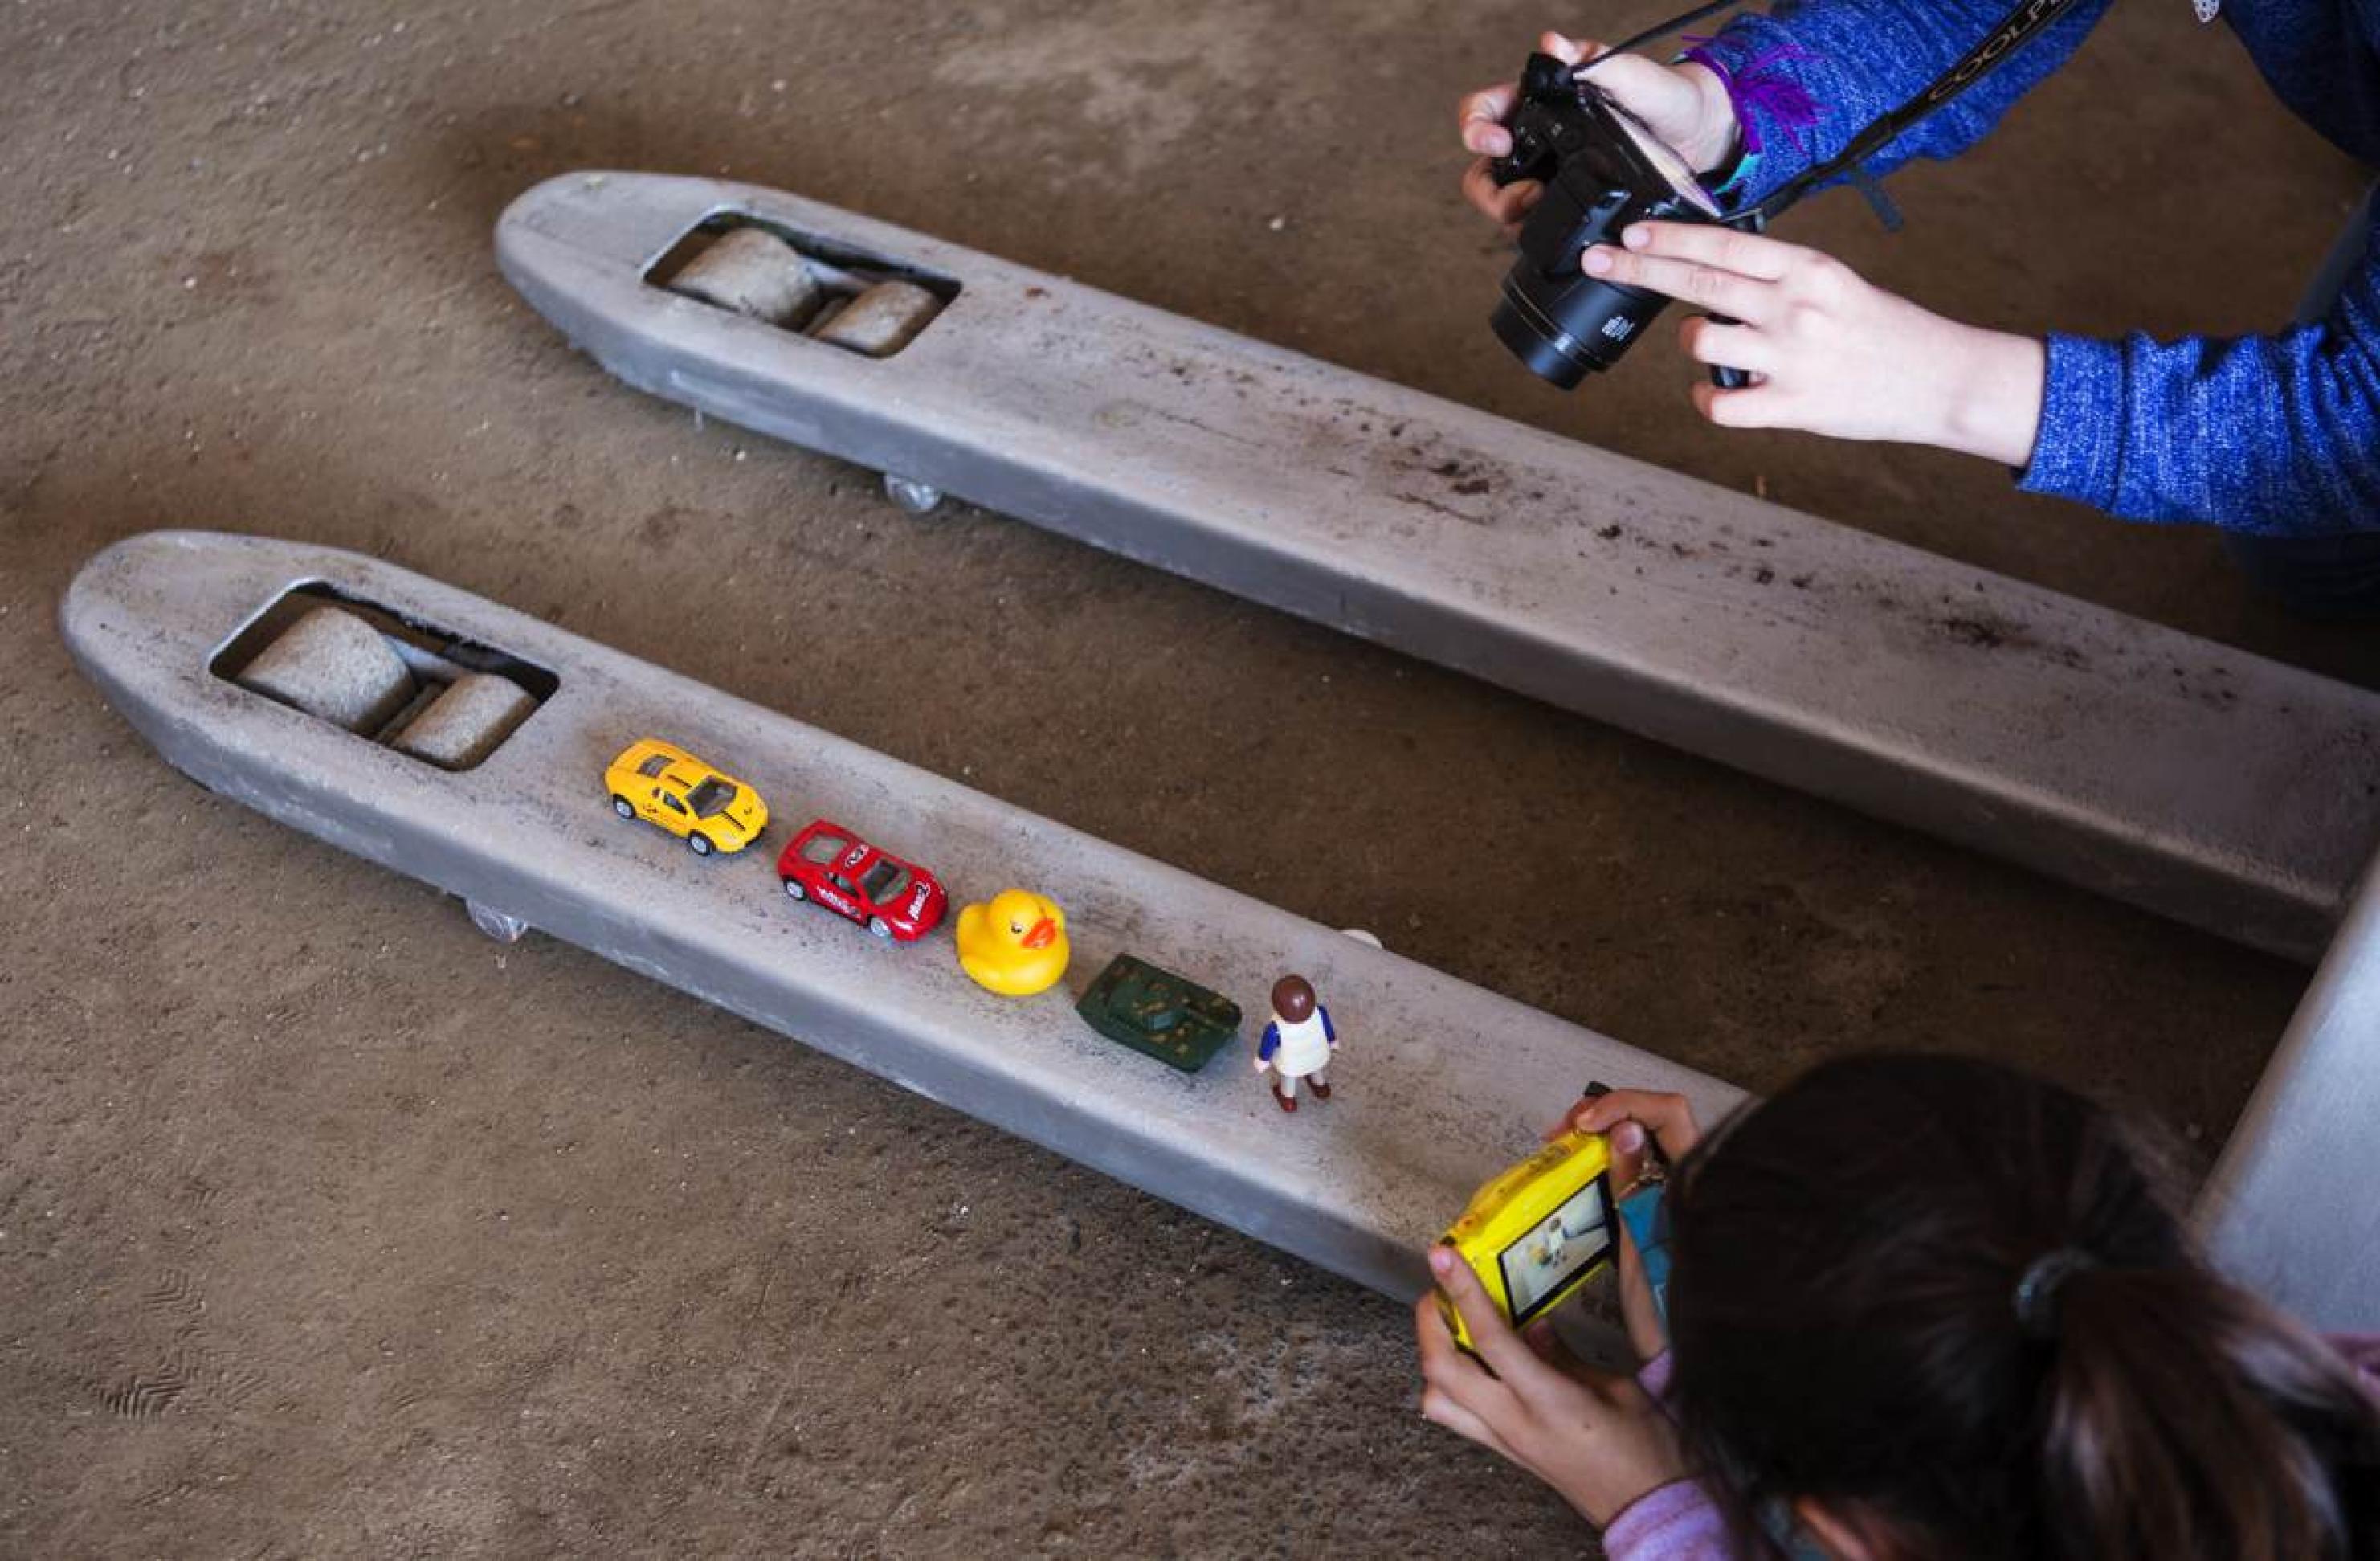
(1599, 169)
(1833, 353)
(1596, 1438)
(1686, 106)
(1612, 222)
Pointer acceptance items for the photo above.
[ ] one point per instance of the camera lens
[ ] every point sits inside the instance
(1562, 331)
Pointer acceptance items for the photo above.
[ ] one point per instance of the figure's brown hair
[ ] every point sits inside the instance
(1292, 998)
(1847, 1260)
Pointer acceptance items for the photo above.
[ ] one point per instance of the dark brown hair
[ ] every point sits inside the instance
(1844, 1308)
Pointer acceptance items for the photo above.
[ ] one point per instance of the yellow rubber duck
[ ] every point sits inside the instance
(1016, 945)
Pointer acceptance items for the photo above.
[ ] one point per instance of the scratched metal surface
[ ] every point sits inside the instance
(2291, 1209)
(2207, 785)
(1453, 1081)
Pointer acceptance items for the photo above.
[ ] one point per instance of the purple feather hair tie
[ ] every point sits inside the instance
(1759, 90)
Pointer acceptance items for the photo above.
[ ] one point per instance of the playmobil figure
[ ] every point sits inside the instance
(1299, 1041)
(1016, 945)
(666, 786)
(892, 899)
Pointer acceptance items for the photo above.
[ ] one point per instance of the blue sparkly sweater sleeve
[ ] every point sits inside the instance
(1811, 74)
(2274, 434)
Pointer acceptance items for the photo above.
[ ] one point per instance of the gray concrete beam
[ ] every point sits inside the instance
(2215, 787)
(1440, 1086)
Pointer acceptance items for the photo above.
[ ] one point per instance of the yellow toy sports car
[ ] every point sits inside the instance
(669, 786)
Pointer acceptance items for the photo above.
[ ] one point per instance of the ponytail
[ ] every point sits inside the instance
(2183, 1418)
(1956, 1306)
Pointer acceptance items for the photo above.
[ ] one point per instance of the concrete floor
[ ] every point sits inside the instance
(326, 1226)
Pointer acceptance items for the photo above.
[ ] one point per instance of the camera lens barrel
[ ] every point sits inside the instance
(1564, 334)
(1556, 319)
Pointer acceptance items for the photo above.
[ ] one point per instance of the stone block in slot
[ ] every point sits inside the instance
(754, 272)
(464, 723)
(336, 667)
(883, 320)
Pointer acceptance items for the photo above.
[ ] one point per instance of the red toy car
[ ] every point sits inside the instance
(828, 863)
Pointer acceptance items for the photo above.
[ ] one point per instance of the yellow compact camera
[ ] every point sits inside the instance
(1538, 1232)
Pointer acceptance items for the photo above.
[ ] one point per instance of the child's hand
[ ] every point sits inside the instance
(1600, 1441)
(1635, 1123)
(1829, 353)
(1684, 105)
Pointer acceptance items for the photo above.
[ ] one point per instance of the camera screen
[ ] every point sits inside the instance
(1567, 1242)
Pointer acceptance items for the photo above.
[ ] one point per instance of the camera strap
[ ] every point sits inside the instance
(2020, 26)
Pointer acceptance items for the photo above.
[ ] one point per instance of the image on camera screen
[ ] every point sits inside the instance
(1665, 160)
(1567, 1242)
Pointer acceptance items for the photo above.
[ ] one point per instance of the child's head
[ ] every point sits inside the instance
(1845, 1311)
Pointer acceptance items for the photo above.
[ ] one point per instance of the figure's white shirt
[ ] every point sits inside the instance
(1305, 1046)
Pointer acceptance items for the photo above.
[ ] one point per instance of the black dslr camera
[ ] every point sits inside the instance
(1602, 170)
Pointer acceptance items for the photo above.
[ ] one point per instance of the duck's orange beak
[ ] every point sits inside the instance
(1044, 934)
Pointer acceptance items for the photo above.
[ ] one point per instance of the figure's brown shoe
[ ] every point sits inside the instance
(1288, 1103)
(1321, 1091)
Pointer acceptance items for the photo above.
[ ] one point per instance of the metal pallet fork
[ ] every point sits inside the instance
(471, 756)
(2215, 787)
(2294, 1209)
(461, 743)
